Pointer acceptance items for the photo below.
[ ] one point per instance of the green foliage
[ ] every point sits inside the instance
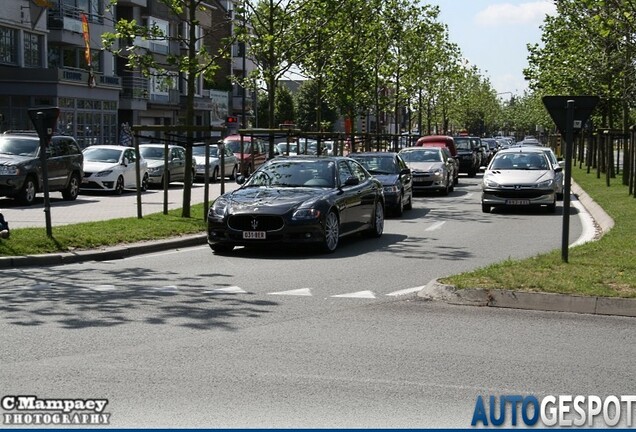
(306, 103)
(588, 48)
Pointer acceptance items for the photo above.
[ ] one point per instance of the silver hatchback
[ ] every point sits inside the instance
(521, 176)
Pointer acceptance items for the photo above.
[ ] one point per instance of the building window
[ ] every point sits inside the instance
(74, 58)
(32, 50)
(8, 46)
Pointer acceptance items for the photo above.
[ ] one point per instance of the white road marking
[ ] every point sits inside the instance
(406, 291)
(169, 288)
(227, 290)
(296, 292)
(435, 226)
(359, 294)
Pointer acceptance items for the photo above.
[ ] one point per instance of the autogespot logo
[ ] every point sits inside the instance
(555, 411)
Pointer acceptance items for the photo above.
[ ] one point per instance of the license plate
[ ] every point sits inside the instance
(419, 179)
(254, 235)
(517, 202)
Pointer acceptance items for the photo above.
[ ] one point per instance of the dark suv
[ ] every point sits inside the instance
(21, 169)
(467, 154)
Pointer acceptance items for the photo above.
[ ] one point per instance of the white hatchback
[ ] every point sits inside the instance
(113, 168)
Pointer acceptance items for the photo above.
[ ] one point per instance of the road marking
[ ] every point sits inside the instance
(227, 290)
(435, 226)
(296, 292)
(406, 291)
(169, 288)
(359, 294)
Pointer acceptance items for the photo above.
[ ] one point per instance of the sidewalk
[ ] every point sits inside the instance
(437, 291)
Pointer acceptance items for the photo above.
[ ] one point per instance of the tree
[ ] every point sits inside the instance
(198, 60)
(307, 98)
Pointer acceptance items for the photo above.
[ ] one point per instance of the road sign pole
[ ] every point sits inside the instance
(569, 144)
(569, 113)
(45, 176)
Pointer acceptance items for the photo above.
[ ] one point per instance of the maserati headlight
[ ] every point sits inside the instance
(218, 209)
(104, 173)
(306, 214)
(391, 189)
(545, 184)
(11, 170)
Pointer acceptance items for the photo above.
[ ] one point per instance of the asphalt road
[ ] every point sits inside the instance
(185, 338)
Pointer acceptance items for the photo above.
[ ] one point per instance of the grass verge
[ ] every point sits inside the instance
(602, 268)
(33, 241)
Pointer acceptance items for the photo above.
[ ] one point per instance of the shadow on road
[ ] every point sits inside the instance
(60, 297)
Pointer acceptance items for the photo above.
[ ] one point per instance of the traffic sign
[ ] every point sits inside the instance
(557, 108)
(45, 120)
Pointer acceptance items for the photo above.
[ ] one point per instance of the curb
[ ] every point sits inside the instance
(552, 302)
(104, 254)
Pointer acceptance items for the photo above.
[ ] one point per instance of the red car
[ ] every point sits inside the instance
(253, 155)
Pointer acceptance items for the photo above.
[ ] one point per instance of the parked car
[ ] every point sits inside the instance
(21, 168)
(468, 155)
(395, 176)
(521, 176)
(298, 199)
(230, 166)
(158, 172)
(113, 168)
(253, 154)
(431, 168)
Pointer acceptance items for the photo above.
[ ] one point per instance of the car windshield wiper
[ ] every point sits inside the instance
(379, 172)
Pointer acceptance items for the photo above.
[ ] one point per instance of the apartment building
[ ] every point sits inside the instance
(51, 54)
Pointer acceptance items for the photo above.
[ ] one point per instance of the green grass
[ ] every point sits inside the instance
(602, 268)
(32, 241)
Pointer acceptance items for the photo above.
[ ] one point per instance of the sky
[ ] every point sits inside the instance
(493, 36)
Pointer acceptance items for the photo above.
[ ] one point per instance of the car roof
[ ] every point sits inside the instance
(521, 149)
(423, 148)
(309, 158)
(375, 154)
(108, 146)
(159, 145)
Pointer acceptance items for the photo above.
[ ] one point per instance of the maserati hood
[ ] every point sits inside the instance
(255, 200)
